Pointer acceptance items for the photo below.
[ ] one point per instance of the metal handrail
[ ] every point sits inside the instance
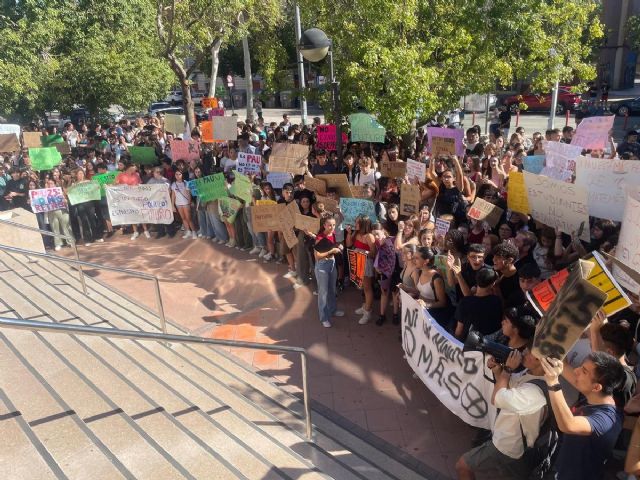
(148, 336)
(98, 266)
(68, 238)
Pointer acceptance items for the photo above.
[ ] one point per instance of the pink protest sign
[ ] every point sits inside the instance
(444, 137)
(593, 132)
(216, 112)
(185, 150)
(327, 135)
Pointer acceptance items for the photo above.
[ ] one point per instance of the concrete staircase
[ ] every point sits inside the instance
(83, 407)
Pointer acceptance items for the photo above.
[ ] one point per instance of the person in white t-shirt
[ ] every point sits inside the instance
(368, 174)
(228, 162)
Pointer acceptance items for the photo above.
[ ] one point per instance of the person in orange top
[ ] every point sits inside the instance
(130, 176)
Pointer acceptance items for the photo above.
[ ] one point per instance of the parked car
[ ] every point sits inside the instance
(197, 98)
(536, 102)
(174, 97)
(172, 110)
(625, 107)
(158, 106)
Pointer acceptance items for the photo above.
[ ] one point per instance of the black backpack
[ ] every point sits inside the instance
(541, 456)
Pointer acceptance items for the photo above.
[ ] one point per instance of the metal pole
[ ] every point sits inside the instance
(335, 87)
(303, 100)
(163, 320)
(486, 115)
(305, 391)
(554, 105)
(80, 271)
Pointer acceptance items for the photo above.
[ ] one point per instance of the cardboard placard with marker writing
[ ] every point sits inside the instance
(316, 185)
(409, 199)
(289, 158)
(338, 181)
(484, 211)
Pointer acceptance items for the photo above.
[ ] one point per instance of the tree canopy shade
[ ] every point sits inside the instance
(400, 59)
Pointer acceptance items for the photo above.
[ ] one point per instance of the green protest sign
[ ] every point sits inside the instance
(143, 155)
(211, 187)
(365, 128)
(241, 188)
(105, 179)
(84, 192)
(49, 140)
(44, 158)
(228, 209)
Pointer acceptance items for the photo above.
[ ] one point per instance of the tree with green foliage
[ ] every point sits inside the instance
(408, 59)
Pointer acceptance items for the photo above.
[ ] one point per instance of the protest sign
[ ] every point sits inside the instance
(206, 131)
(605, 180)
(457, 379)
(359, 191)
(277, 180)
(289, 158)
(63, 148)
(287, 222)
(543, 294)
(628, 248)
(143, 155)
(193, 188)
(83, 192)
(517, 199)
(560, 160)
(352, 207)
(327, 136)
(393, 169)
(557, 174)
(316, 185)
(216, 112)
(9, 142)
(51, 140)
(10, 128)
(186, 150)
(266, 218)
(570, 312)
(440, 264)
(174, 123)
(241, 188)
(209, 102)
(416, 170)
(31, 139)
(558, 204)
(211, 187)
(103, 179)
(133, 204)
(47, 199)
(266, 201)
(338, 181)
(44, 158)
(442, 227)
(357, 263)
(484, 211)
(224, 128)
(593, 132)
(249, 163)
(365, 128)
(445, 141)
(228, 209)
(533, 164)
(307, 223)
(409, 199)
(330, 204)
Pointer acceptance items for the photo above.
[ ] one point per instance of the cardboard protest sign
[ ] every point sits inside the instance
(533, 164)
(445, 141)
(209, 102)
(316, 185)
(63, 148)
(558, 204)
(103, 179)
(249, 163)
(558, 174)
(338, 181)
(143, 155)
(242, 188)
(10, 128)
(51, 140)
(307, 223)
(287, 223)
(186, 150)
(277, 180)
(365, 128)
(442, 227)
(416, 170)
(146, 203)
(560, 160)
(569, 314)
(631, 273)
(628, 248)
(409, 199)
(593, 132)
(9, 143)
(212, 187)
(543, 294)
(605, 180)
(228, 209)
(224, 128)
(457, 379)
(352, 207)
(330, 204)
(289, 158)
(47, 199)
(393, 169)
(174, 123)
(359, 191)
(44, 158)
(206, 131)
(327, 136)
(484, 211)
(83, 192)
(517, 199)
(266, 201)
(357, 263)
(31, 139)
(266, 218)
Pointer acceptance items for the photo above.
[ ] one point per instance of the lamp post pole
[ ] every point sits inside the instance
(335, 92)
(554, 94)
(303, 100)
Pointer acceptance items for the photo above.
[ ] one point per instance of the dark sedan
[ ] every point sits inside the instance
(625, 107)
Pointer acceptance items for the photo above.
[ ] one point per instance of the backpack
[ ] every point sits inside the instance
(541, 456)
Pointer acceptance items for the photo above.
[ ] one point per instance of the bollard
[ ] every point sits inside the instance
(567, 115)
(517, 118)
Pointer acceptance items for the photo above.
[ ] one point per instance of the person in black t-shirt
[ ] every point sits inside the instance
(322, 166)
(15, 192)
(505, 121)
(465, 279)
(525, 241)
(482, 310)
(528, 277)
(504, 257)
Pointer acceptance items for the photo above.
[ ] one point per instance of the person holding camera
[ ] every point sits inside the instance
(521, 404)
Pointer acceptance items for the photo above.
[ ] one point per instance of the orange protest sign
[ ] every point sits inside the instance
(357, 263)
(209, 102)
(206, 130)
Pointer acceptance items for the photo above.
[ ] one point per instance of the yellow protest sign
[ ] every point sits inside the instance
(517, 199)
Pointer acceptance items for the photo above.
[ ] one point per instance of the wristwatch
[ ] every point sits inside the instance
(555, 387)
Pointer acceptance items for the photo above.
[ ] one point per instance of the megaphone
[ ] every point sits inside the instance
(476, 342)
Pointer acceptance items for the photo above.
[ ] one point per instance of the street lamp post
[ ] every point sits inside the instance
(554, 93)
(314, 47)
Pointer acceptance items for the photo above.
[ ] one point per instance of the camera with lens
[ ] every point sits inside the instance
(476, 342)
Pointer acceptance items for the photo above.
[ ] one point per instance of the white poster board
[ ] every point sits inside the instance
(628, 248)
(131, 205)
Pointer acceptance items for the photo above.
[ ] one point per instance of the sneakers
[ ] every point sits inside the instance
(87, 244)
(200, 235)
(100, 240)
(135, 235)
(57, 249)
(365, 318)
(297, 286)
(194, 236)
(255, 250)
(147, 234)
(187, 234)
(360, 311)
(267, 257)
(231, 243)
(338, 313)
(326, 324)
(263, 252)
(290, 274)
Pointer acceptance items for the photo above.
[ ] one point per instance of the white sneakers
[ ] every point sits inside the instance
(360, 311)
(263, 252)
(146, 234)
(135, 235)
(338, 313)
(255, 250)
(326, 324)
(231, 243)
(187, 234)
(267, 257)
(365, 318)
(57, 249)
(290, 274)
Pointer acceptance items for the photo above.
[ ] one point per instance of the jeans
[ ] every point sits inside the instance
(326, 273)
(303, 260)
(259, 238)
(59, 223)
(243, 239)
(87, 218)
(206, 229)
(218, 225)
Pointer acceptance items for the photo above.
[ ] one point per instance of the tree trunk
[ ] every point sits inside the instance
(248, 77)
(215, 61)
(187, 103)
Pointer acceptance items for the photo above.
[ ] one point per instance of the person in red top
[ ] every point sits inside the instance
(361, 238)
(325, 249)
(131, 177)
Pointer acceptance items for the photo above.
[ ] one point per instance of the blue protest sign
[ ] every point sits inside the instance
(352, 207)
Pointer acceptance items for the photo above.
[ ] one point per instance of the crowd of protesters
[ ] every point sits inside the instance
(473, 277)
